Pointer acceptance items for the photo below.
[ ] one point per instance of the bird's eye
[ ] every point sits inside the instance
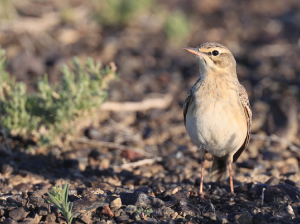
(215, 53)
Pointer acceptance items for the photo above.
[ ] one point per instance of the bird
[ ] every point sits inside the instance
(217, 112)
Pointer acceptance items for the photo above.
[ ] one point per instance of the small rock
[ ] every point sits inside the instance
(171, 191)
(92, 133)
(209, 208)
(118, 212)
(231, 216)
(250, 164)
(131, 155)
(157, 212)
(106, 211)
(29, 207)
(20, 202)
(36, 199)
(282, 193)
(156, 202)
(27, 221)
(9, 221)
(40, 193)
(51, 217)
(115, 203)
(259, 218)
(222, 221)
(190, 209)
(256, 189)
(7, 170)
(210, 216)
(97, 191)
(61, 219)
(119, 190)
(123, 218)
(35, 218)
(104, 163)
(244, 188)
(289, 168)
(146, 190)
(181, 198)
(85, 219)
(136, 216)
(271, 156)
(290, 182)
(142, 200)
(23, 187)
(24, 194)
(44, 209)
(273, 181)
(105, 187)
(17, 214)
(151, 221)
(130, 209)
(89, 203)
(275, 172)
(78, 221)
(168, 212)
(159, 190)
(244, 218)
(290, 211)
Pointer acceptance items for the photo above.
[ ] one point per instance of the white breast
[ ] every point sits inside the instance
(218, 125)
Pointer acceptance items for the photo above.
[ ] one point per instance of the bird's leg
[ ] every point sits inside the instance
(202, 159)
(230, 176)
(201, 180)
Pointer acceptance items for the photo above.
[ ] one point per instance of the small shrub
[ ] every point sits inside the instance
(59, 197)
(49, 113)
(116, 12)
(176, 27)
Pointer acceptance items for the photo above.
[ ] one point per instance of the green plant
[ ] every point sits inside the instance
(50, 113)
(116, 12)
(176, 27)
(143, 212)
(7, 10)
(59, 197)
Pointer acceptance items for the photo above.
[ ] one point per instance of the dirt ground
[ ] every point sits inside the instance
(151, 172)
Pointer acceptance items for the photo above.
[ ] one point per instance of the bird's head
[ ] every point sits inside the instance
(214, 57)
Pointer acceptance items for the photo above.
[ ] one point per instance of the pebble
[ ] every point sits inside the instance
(17, 214)
(106, 211)
(130, 209)
(115, 203)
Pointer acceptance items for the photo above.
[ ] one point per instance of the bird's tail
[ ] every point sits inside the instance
(219, 169)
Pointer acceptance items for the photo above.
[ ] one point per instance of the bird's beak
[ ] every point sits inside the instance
(194, 51)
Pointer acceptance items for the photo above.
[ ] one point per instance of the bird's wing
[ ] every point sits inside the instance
(243, 96)
(186, 105)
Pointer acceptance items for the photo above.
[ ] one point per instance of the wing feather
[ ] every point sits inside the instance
(186, 105)
(243, 96)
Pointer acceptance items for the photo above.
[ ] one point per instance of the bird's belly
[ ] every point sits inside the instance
(218, 130)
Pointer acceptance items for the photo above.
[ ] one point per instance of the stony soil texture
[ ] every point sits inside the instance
(151, 172)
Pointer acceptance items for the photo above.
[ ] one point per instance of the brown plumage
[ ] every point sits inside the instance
(217, 113)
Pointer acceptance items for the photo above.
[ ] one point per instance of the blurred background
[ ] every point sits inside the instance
(145, 40)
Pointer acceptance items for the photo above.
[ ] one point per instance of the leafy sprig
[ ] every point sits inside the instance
(59, 197)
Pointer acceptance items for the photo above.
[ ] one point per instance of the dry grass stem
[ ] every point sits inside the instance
(147, 104)
(143, 162)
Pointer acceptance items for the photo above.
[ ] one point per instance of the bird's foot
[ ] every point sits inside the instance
(232, 197)
(201, 198)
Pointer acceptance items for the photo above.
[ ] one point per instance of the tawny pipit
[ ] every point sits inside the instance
(217, 114)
